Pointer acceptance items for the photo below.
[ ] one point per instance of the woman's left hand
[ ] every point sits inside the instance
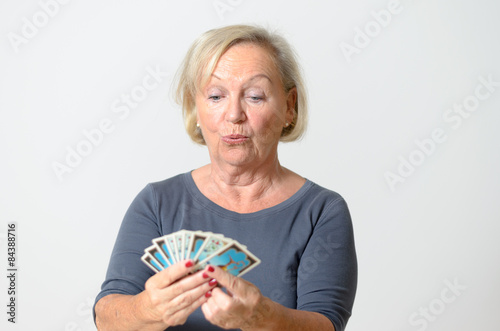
(243, 307)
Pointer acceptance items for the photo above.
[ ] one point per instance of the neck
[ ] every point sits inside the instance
(245, 184)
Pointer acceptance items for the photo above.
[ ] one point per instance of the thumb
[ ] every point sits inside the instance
(235, 285)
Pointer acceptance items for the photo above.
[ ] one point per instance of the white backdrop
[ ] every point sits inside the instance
(404, 102)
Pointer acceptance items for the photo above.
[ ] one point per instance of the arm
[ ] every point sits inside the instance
(124, 312)
(246, 308)
(327, 273)
(132, 296)
(282, 318)
(169, 298)
(326, 284)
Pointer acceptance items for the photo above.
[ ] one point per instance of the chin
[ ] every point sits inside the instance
(238, 158)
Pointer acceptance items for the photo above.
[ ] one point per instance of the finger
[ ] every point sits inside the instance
(184, 284)
(218, 310)
(233, 284)
(180, 296)
(221, 300)
(188, 296)
(207, 312)
(161, 298)
(180, 316)
(171, 274)
(212, 312)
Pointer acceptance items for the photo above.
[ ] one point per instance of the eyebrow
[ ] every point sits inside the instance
(251, 79)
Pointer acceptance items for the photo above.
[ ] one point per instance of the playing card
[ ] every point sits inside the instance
(203, 248)
(172, 246)
(212, 244)
(151, 262)
(188, 235)
(163, 245)
(156, 252)
(197, 240)
(179, 244)
(233, 258)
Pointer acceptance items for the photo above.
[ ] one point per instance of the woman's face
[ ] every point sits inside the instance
(243, 108)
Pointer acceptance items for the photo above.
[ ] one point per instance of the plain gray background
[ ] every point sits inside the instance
(434, 226)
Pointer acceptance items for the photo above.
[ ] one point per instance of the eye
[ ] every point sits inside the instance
(256, 98)
(215, 98)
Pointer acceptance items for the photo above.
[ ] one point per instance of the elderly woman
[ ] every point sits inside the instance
(241, 93)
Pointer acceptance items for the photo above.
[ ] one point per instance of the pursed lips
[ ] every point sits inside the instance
(234, 139)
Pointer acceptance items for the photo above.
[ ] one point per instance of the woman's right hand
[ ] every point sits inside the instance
(172, 295)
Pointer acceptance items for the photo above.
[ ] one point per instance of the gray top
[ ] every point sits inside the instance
(306, 245)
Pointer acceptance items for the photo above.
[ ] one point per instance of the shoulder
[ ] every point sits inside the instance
(168, 189)
(324, 205)
(173, 184)
(315, 192)
(176, 180)
(319, 194)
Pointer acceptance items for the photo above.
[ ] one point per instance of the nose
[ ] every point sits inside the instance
(235, 113)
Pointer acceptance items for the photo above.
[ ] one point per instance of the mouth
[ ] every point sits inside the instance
(233, 139)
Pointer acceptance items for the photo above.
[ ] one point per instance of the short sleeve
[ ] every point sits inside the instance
(327, 274)
(126, 272)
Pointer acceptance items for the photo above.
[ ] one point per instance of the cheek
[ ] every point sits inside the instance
(209, 121)
(269, 129)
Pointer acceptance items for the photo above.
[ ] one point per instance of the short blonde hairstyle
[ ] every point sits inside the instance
(201, 60)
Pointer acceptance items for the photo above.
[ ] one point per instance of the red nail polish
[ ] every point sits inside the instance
(205, 275)
(211, 269)
(212, 282)
(208, 294)
(189, 264)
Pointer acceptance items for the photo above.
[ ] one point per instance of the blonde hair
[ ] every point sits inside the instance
(201, 60)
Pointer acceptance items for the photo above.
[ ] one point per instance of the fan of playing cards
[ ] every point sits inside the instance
(202, 248)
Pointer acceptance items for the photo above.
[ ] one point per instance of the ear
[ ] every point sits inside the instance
(290, 104)
(196, 115)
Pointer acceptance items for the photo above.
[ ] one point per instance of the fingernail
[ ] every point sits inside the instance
(208, 294)
(189, 264)
(205, 275)
(211, 269)
(213, 282)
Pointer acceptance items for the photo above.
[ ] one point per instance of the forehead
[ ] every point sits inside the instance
(245, 60)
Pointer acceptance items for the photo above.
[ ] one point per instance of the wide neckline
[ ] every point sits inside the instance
(199, 197)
